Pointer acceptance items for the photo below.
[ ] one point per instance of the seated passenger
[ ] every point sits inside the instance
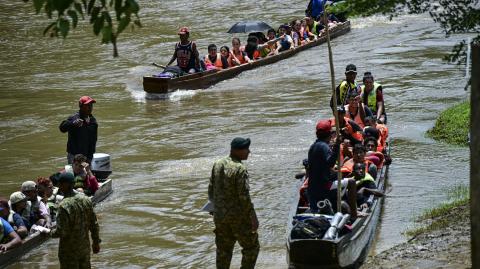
(238, 57)
(365, 185)
(227, 54)
(348, 128)
(36, 209)
(13, 218)
(252, 48)
(358, 157)
(8, 235)
(215, 60)
(355, 109)
(285, 42)
(18, 204)
(186, 53)
(297, 35)
(379, 131)
(311, 28)
(372, 96)
(322, 22)
(48, 195)
(85, 181)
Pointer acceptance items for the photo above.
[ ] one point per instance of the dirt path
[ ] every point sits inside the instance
(447, 247)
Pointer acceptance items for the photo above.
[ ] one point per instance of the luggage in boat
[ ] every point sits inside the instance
(310, 228)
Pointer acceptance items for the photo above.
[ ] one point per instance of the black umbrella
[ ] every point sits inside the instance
(249, 26)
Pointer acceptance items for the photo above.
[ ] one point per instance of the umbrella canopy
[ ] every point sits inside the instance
(249, 26)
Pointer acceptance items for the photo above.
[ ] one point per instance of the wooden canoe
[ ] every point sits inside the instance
(347, 251)
(208, 78)
(34, 240)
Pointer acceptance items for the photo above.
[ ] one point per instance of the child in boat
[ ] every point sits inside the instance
(214, 60)
(186, 53)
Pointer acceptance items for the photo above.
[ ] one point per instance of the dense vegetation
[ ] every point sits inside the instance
(453, 125)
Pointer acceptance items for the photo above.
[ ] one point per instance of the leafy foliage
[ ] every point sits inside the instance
(459, 16)
(66, 13)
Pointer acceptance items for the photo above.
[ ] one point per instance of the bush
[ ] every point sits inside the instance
(453, 125)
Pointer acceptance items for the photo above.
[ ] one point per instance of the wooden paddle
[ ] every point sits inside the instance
(159, 65)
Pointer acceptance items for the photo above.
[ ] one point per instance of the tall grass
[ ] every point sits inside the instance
(453, 125)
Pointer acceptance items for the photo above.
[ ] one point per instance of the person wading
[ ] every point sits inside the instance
(75, 219)
(233, 212)
(82, 130)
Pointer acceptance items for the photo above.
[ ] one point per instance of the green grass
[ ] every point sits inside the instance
(441, 216)
(453, 125)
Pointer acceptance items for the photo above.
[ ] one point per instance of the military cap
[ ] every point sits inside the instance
(17, 197)
(29, 186)
(66, 177)
(240, 143)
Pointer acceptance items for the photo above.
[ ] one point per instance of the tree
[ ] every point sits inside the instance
(459, 16)
(66, 13)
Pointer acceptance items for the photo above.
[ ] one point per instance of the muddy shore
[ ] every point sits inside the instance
(445, 247)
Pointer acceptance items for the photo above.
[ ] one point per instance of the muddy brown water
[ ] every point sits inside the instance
(162, 150)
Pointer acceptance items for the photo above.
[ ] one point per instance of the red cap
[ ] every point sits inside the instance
(324, 126)
(183, 30)
(85, 100)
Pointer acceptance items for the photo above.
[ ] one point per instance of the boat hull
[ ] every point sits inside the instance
(206, 79)
(36, 239)
(348, 251)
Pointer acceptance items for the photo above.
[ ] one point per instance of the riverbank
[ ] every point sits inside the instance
(453, 125)
(442, 239)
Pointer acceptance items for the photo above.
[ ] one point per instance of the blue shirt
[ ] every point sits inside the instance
(7, 228)
(18, 221)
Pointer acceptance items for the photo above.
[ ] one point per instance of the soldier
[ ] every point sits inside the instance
(75, 218)
(233, 213)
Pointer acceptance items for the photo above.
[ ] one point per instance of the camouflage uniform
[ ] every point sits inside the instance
(233, 212)
(75, 217)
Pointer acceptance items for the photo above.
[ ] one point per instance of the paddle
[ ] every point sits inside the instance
(159, 65)
(334, 94)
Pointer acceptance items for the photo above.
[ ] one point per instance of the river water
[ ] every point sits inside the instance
(162, 150)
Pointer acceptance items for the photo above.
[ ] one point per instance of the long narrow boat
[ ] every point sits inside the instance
(34, 240)
(346, 251)
(206, 79)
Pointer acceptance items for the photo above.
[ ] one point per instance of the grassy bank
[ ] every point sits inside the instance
(453, 124)
(441, 216)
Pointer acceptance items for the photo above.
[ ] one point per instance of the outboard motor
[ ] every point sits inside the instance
(101, 166)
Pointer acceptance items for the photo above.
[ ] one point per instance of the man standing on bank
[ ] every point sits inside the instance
(82, 130)
(75, 219)
(233, 213)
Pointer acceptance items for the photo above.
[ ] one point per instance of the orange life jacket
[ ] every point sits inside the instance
(349, 127)
(240, 57)
(218, 62)
(347, 167)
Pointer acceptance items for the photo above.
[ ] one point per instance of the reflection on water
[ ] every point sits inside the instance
(163, 149)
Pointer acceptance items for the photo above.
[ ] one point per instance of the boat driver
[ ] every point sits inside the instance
(186, 53)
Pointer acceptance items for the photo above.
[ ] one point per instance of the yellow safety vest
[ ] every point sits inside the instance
(344, 88)
(372, 96)
(367, 177)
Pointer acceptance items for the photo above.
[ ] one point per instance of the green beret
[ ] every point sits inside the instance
(66, 177)
(240, 143)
